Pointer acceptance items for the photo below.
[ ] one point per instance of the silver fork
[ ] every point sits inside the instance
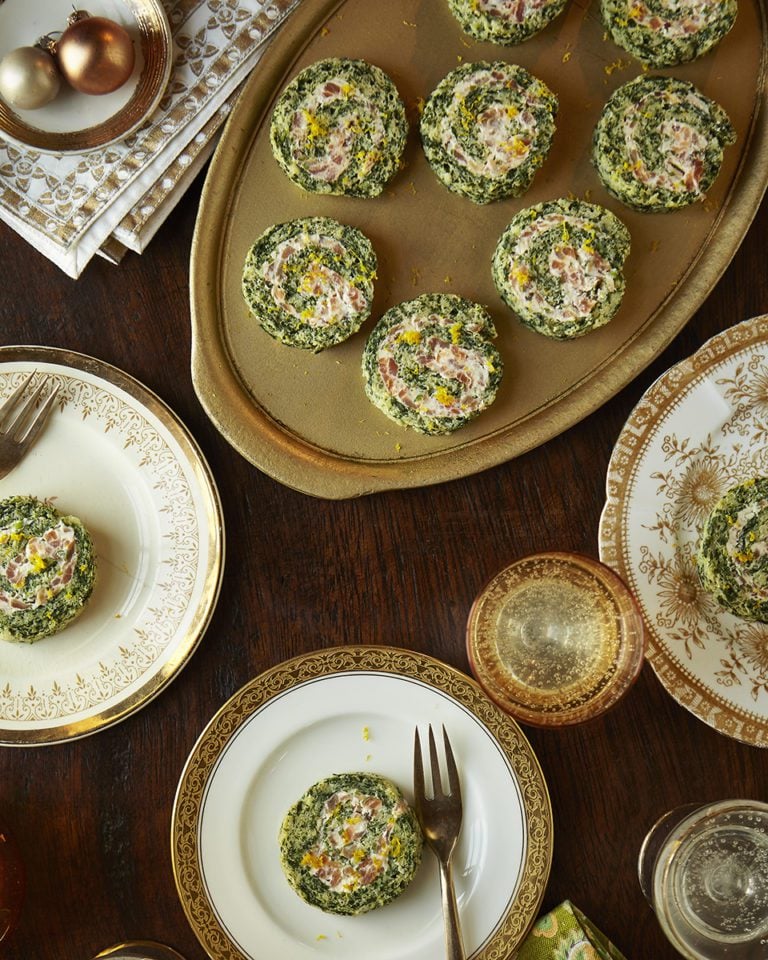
(21, 423)
(440, 819)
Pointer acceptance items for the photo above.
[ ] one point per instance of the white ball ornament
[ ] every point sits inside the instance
(29, 78)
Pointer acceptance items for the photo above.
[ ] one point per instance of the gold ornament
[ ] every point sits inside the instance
(95, 55)
(28, 77)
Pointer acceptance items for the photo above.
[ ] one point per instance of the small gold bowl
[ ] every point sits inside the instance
(75, 122)
(555, 638)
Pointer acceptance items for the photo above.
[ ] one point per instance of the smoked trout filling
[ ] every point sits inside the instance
(47, 569)
(350, 844)
(732, 556)
(665, 33)
(487, 128)
(558, 265)
(505, 21)
(658, 144)
(339, 127)
(429, 363)
(309, 282)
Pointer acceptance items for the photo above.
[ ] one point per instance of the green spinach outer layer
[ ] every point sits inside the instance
(661, 34)
(732, 555)
(645, 104)
(289, 322)
(22, 519)
(592, 233)
(485, 20)
(392, 832)
(465, 107)
(304, 132)
(405, 342)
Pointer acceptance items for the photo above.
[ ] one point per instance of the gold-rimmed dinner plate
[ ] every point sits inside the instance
(75, 122)
(341, 710)
(304, 418)
(113, 454)
(700, 429)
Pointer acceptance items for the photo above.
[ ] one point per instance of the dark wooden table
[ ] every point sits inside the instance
(92, 817)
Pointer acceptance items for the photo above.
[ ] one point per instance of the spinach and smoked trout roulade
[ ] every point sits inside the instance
(665, 33)
(732, 555)
(559, 265)
(659, 142)
(429, 363)
(309, 282)
(487, 128)
(339, 127)
(506, 22)
(47, 569)
(350, 843)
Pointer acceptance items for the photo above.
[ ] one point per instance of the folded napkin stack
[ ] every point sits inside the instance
(73, 206)
(566, 934)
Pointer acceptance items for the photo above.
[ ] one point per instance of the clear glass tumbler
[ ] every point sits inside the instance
(704, 870)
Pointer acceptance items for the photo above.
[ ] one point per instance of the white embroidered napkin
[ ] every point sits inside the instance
(68, 207)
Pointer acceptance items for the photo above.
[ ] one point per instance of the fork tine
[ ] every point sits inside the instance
(418, 768)
(454, 785)
(18, 426)
(40, 418)
(12, 401)
(437, 783)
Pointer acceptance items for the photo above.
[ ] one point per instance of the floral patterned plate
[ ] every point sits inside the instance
(114, 455)
(700, 429)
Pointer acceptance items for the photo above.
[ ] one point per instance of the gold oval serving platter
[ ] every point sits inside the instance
(75, 122)
(303, 418)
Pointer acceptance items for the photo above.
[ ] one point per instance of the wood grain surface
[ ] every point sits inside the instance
(92, 817)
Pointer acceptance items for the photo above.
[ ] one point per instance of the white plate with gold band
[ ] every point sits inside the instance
(700, 429)
(345, 710)
(114, 455)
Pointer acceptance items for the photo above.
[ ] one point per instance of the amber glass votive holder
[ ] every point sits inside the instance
(555, 638)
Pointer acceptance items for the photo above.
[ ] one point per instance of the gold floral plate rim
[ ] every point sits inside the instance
(301, 673)
(237, 403)
(160, 655)
(671, 529)
(154, 37)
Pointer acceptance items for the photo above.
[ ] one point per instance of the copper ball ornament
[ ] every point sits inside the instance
(95, 55)
(28, 78)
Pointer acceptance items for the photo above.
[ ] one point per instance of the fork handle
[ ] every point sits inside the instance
(454, 949)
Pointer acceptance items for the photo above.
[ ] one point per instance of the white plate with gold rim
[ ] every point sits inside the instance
(76, 122)
(116, 456)
(342, 710)
(700, 429)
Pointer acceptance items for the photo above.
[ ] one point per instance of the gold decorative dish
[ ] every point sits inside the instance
(699, 430)
(343, 709)
(555, 638)
(75, 122)
(304, 418)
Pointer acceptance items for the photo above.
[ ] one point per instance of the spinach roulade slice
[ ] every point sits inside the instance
(47, 569)
(429, 363)
(309, 282)
(505, 21)
(665, 33)
(350, 843)
(339, 127)
(487, 128)
(559, 264)
(659, 142)
(732, 554)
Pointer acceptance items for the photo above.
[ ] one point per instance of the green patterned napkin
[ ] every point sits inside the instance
(566, 934)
